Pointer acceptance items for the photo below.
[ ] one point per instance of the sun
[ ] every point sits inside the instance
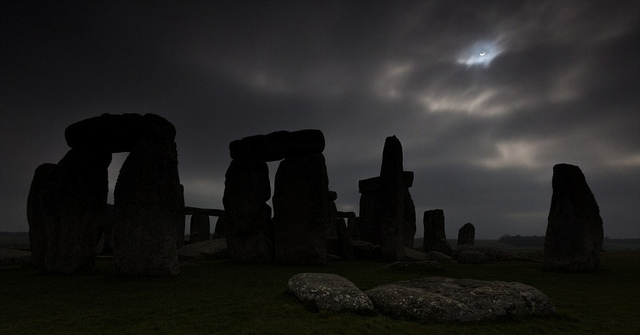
(480, 53)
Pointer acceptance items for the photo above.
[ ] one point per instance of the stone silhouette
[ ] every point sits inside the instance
(247, 223)
(200, 229)
(435, 238)
(387, 212)
(297, 234)
(67, 201)
(574, 231)
(467, 235)
(301, 210)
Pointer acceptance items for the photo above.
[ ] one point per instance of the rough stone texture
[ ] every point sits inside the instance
(435, 238)
(574, 231)
(247, 222)
(105, 245)
(200, 229)
(472, 257)
(390, 200)
(148, 201)
(438, 256)
(71, 206)
(325, 291)
(119, 133)
(278, 145)
(467, 234)
(425, 265)
(209, 249)
(300, 203)
(459, 300)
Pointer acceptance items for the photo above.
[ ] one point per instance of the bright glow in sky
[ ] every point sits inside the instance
(480, 53)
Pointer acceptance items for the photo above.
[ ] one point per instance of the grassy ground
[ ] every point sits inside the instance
(219, 297)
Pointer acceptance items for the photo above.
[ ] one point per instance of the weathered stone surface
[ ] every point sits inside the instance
(200, 229)
(574, 231)
(390, 200)
(209, 249)
(148, 202)
(70, 200)
(247, 222)
(458, 300)
(325, 291)
(278, 145)
(105, 245)
(425, 265)
(300, 203)
(438, 256)
(467, 234)
(119, 133)
(435, 238)
(472, 257)
(409, 229)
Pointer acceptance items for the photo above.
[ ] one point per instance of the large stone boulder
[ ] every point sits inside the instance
(199, 228)
(209, 249)
(458, 300)
(13, 256)
(66, 207)
(278, 145)
(435, 238)
(467, 234)
(574, 231)
(325, 291)
(148, 202)
(301, 210)
(247, 222)
(119, 133)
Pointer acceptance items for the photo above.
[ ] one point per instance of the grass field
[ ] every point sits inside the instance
(220, 297)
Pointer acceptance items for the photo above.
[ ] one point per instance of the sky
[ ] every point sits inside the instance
(485, 96)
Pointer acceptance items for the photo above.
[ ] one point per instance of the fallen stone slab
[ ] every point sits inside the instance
(209, 249)
(10, 256)
(326, 291)
(458, 300)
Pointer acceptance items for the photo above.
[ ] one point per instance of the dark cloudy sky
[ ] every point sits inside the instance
(558, 82)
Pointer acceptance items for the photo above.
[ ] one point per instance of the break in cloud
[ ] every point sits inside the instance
(485, 96)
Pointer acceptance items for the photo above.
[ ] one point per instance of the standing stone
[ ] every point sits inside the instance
(409, 229)
(148, 202)
(73, 202)
(180, 221)
(390, 200)
(40, 209)
(435, 238)
(574, 231)
(247, 221)
(344, 242)
(200, 229)
(300, 204)
(367, 223)
(467, 235)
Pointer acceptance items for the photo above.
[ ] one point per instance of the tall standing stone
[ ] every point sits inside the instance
(467, 234)
(574, 231)
(148, 202)
(247, 222)
(71, 205)
(390, 200)
(435, 238)
(300, 203)
(409, 229)
(199, 228)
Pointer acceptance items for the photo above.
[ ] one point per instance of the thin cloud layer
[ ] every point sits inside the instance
(485, 96)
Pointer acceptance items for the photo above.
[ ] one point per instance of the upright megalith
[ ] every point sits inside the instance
(574, 231)
(247, 221)
(435, 238)
(387, 212)
(67, 209)
(467, 234)
(301, 210)
(200, 228)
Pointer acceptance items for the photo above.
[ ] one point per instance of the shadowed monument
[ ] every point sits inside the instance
(574, 231)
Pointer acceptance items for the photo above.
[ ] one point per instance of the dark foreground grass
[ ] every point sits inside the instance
(220, 297)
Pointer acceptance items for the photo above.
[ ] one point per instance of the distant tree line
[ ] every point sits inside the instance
(523, 241)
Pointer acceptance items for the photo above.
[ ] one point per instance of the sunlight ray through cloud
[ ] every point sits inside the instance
(480, 54)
